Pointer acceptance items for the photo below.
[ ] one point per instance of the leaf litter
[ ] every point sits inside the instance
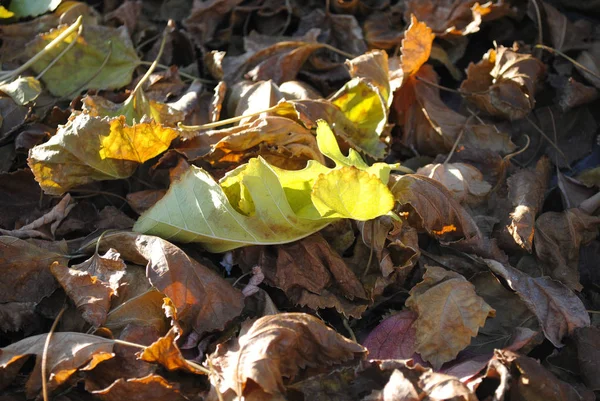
(391, 200)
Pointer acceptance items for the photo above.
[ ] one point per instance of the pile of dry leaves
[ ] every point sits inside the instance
(299, 200)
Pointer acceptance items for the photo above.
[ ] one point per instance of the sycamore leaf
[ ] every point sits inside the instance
(68, 352)
(261, 204)
(275, 347)
(22, 90)
(449, 314)
(90, 149)
(82, 62)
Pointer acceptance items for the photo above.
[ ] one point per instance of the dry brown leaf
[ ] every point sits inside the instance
(67, 353)
(393, 338)
(203, 299)
(275, 347)
(587, 340)
(399, 387)
(557, 308)
(165, 351)
(589, 59)
(141, 201)
(26, 270)
(312, 274)
(526, 190)
(531, 381)
(558, 239)
(381, 29)
(144, 310)
(439, 386)
(149, 388)
(504, 83)
(90, 295)
(20, 196)
(456, 17)
(205, 18)
(463, 180)
(449, 313)
(564, 34)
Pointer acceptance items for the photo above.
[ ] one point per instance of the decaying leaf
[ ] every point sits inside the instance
(504, 83)
(559, 237)
(275, 347)
(260, 204)
(394, 337)
(148, 388)
(449, 314)
(68, 352)
(557, 308)
(203, 299)
(81, 64)
(89, 149)
(526, 190)
(166, 352)
(463, 180)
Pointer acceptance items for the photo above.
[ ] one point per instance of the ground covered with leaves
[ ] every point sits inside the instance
(299, 200)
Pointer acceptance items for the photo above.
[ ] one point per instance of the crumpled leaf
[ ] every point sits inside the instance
(22, 90)
(526, 190)
(531, 381)
(256, 203)
(82, 62)
(439, 386)
(508, 81)
(394, 337)
(455, 17)
(148, 388)
(144, 310)
(429, 206)
(449, 312)
(89, 149)
(463, 180)
(203, 299)
(311, 274)
(557, 308)
(275, 347)
(558, 240)
(68, 352)
(165, 351)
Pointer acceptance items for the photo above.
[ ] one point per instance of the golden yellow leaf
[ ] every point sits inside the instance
(416, 46)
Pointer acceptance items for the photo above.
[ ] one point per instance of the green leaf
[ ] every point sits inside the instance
(76, 68)
(261, 204)
(22, 90)
(32, 8)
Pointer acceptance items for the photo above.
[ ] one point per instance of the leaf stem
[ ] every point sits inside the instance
(575, 62)
(62, 53)
(168, 29)
(224, 122)
(45, 354)
(183, 74)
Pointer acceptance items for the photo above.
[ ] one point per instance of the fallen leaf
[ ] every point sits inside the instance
(526, 190)
(144, 310)
(589, 59)
(564, 34)
(149, 388)
(380, 29)
(531, 381)
(165, 351)
(203, 299)
(68, 353)
(504, 83)
(463, 180)
(439, 386)
(81, 63)
(557, 308)
(275, 347)
(22, 89)
(205, 17)
(20, 197)
(449, 313)
(559, 238)
(394, 337)
(256, 203)
(31, 8)
(89, 149)
(587, 340)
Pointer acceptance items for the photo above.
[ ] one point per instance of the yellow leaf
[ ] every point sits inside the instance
(4, 13)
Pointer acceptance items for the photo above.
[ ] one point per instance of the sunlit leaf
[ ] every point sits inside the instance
(81, 64)
(90, 149)
(32, 8)
(257, 203)
(22, 90)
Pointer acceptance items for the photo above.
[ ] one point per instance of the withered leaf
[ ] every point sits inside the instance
(504, 83)
(463, 180)
(557, 308)
(559, 237)
(26, 269)
(68, 352)
(203, 299)
(275, 347)
(165, 351)
(149, 388)
(449, 314)
(394, 337)
(526, 190)
(205, 17)
(439, 386)
(587, 340)
(90, 295)
(144, 310)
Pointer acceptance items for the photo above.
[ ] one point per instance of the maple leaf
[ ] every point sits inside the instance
(449, 314)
